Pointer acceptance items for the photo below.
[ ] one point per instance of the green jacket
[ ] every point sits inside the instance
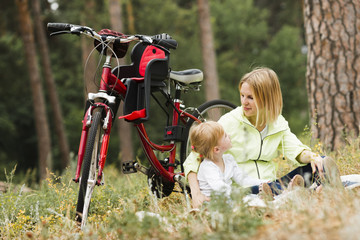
(254, 155)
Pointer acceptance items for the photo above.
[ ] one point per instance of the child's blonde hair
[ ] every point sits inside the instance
(265, 86)
(204, 137)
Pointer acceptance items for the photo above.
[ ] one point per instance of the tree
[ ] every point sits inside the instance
(51, 87)
(208, 51)
(41, 122)
(124, 130)
(333, 69)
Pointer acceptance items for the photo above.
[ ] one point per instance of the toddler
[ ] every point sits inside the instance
(217, 170)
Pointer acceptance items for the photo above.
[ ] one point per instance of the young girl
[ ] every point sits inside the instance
(217, 170)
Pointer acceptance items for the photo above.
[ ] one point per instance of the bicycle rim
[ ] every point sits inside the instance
(89, 170)
(211, 110)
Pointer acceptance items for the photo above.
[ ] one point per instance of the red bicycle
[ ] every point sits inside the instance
(135, 84)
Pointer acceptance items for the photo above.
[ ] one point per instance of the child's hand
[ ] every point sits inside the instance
(198, 199)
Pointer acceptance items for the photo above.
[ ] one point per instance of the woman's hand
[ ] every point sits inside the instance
(316, 161)
(197, 197)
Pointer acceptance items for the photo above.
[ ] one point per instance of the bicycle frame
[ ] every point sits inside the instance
(110, 81)
(149, 146)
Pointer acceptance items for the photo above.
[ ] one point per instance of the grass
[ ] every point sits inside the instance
(124, 209)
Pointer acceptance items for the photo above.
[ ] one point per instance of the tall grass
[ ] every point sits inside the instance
(125, 209)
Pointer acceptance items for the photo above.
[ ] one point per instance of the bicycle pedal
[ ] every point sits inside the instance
(102, 182)
(128, 167)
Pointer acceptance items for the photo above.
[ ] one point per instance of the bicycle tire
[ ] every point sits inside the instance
(204, 112)
(89, 168)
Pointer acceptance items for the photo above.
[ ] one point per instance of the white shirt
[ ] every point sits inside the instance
(264, 132)
(211, 178)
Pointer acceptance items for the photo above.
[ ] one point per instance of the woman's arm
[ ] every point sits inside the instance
(197, 197)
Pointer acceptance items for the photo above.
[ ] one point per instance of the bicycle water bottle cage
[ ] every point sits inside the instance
(150, 66)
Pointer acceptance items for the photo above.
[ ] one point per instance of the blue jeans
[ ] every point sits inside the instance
(278, 185)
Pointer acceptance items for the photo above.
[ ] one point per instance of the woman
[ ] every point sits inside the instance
(258, 131)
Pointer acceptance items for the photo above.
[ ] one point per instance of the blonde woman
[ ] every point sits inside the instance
(258, 132)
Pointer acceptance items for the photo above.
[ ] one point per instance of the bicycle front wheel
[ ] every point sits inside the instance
(89, 169)
(211, 110)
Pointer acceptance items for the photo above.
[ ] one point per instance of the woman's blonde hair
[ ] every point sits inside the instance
(266, 90)
(204, 137)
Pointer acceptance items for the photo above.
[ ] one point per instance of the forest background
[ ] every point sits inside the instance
(247, 34)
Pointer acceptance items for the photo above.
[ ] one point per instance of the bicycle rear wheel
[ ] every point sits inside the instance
(211, 110)
(89, 169)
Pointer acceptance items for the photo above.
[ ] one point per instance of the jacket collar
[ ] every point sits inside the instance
(279, 125)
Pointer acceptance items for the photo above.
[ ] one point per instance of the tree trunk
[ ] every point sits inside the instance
(130, 18)
(50, 83)
(42, 128)
(208, 51)
(333, 71)
(123, 128)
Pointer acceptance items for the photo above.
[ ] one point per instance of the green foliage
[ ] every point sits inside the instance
(282, 12)
(240, 32)
(232, 218)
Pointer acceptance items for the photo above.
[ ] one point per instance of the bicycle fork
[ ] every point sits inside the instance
(107, 124)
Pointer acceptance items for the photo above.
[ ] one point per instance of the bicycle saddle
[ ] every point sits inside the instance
(187, 76)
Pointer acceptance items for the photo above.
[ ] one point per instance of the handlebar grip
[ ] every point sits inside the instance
(57, 27)
(166, 43)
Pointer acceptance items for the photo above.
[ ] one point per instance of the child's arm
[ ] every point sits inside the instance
(197, 197)
(244, 180)
(241, 177)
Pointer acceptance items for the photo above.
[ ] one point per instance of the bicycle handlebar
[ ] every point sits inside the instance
(163, 39)
(63, 28)
(56, 27)
(166, 43)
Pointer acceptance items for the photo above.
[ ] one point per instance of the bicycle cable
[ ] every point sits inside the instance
(105, 45)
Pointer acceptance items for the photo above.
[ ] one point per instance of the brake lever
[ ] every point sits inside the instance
(76, 32)
(59, 33)
(144, 38)
(87, 29)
